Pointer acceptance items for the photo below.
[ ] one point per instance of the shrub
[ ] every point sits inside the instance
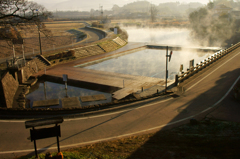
(71, 52)
(101, 25)
(119, 29)
(95, 24)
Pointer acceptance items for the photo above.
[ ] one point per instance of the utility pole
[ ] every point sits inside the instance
(166, 70)
(101, 12)
(167, 56)
(39, 36)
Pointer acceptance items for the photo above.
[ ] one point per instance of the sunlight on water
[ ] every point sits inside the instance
(151, 63)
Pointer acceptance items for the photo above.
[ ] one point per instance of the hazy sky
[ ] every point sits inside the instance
(94, 4)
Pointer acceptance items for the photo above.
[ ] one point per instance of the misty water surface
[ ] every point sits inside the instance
(151, 63)
(164, 36)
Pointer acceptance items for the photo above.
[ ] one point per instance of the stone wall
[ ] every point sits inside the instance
(9, 88)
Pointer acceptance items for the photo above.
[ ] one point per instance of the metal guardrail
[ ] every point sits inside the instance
(16, 63)
(207, 62)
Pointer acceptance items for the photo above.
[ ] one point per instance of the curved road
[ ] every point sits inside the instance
(204, 91)
(93, 35)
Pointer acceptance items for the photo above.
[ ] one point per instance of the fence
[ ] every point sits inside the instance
(202, 65)
(16, 63)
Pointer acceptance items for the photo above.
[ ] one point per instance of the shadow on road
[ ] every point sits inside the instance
(61, 140)
(160, 146)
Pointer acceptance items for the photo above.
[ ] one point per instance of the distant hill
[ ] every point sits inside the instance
(133, 9)
(77, 5)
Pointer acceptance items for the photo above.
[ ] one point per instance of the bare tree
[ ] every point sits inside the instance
(153, 12)
(21, 14)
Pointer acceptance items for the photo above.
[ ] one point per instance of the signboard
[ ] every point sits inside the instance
(170, 56)
(37, 134)
(115, 31)
(65, 77)
(43, 133)
(17, 41)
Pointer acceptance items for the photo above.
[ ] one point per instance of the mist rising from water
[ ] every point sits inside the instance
(162, 36)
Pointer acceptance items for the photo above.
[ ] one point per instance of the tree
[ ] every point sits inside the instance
(21, 15)
(153, 13)
(209, 28)
(210, 5)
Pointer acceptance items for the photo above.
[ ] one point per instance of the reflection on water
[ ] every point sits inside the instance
(150, 63)
(57, 91)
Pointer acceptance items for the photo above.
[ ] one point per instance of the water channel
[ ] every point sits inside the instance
(146, 62)
(149, 62)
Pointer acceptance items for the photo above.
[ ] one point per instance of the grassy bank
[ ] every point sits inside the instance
(207, 139)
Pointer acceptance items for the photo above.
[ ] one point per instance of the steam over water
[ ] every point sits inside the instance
(152, 63)
(164, 36)
(149, 63)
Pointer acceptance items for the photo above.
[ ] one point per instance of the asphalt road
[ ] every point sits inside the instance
(202, 93)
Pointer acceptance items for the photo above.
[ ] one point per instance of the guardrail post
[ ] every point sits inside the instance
(176, 80)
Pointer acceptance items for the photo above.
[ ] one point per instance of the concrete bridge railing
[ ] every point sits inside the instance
(202, 65)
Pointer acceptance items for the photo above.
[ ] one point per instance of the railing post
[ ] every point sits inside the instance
(176, 80)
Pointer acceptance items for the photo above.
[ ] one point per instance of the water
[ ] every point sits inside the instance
(150, 63)
(57, 91)
(163, 36)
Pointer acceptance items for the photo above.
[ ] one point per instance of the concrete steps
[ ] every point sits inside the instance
(40, 63)
(120, 41)
(109, 46)
(81, 52)
(88, 51)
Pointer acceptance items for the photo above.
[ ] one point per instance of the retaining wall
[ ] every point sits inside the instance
(8, 88)
(25, 72)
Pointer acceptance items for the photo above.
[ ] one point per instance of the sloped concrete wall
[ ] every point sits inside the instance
(9, 88)
(25, 72)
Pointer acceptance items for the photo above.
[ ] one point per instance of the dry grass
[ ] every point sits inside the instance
(31, 42)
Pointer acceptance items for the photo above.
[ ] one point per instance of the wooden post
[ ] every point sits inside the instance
(35, 147)
(23, 53)
(58, 141)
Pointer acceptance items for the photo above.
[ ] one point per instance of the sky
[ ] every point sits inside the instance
(83, 5)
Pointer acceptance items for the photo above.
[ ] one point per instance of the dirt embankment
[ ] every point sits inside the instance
(31, 45)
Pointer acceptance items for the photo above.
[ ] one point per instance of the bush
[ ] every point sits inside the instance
(95, 24)
(119, 29)
(71, 53)
(62, 54)
(101, 25)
